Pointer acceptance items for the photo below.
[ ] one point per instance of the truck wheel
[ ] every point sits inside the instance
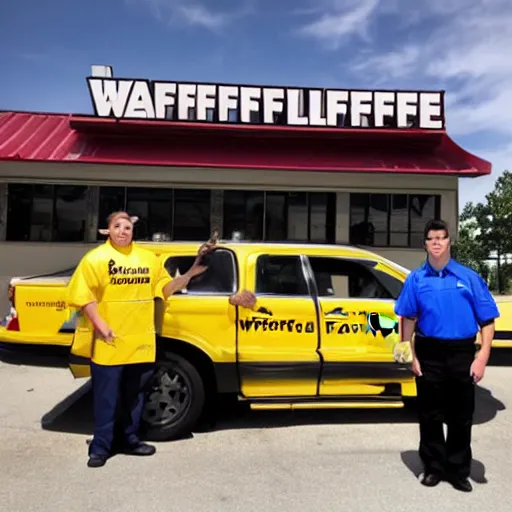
(174, 401)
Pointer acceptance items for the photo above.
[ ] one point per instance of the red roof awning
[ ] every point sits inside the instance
(65, 138)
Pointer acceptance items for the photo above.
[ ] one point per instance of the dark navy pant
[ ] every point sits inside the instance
(446, 394)
(118, 399)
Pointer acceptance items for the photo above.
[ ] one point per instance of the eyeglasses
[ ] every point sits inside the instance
(436, 238)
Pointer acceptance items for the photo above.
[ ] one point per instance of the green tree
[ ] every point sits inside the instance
(468, 249)
(486, 228)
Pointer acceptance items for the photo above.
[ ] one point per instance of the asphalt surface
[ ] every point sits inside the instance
(247, 461)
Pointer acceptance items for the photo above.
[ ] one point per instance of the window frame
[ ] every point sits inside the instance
(364, 262)
(305, 273)
(389, 203)
(53, 224)
(174, 193)
(177, 197)
(330, 205)
(195, 293)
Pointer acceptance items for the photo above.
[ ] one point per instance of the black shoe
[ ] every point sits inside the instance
(141, 449)
(96, 461)
(461, 484)
(430, 479)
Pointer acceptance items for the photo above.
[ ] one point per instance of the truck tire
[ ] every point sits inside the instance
(175, 400)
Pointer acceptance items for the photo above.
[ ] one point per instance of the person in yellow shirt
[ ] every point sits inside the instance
(114, 286)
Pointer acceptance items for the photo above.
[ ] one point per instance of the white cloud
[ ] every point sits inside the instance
(199, 15)
(417, 11)
(462, 46)
(467, 54)
(481, 114)
(191, 13)
(397, 64)
(340, 20)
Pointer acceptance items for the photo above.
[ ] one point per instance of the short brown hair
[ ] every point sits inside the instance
(435, 225)
(121, 214)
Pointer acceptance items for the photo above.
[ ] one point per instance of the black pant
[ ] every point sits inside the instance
(446, 394)
(118, 400)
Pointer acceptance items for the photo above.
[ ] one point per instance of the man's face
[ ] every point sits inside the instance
(437, 243)
(121, 231)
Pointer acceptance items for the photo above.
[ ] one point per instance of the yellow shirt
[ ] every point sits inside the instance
(124, 283)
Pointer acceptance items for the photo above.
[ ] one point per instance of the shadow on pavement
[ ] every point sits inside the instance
(412, 461)
(34, 355)
(486, 406)
(74, 415)
(241, 417)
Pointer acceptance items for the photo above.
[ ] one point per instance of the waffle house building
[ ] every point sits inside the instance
(366, 167)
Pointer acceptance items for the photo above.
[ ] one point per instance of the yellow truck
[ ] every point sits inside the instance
(321, 335)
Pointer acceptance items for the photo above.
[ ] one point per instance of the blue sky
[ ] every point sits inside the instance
(463, 46)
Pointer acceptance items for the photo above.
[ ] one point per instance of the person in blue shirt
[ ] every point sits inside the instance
(444, 305)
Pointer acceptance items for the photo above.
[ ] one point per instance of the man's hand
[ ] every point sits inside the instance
(197, 267)
(101, 328)
(402, 352)
(206, 248)
(478, 369)
(416, 367)
(244, 299)
(106, 334)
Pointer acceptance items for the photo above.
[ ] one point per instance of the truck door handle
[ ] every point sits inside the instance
(264, 311)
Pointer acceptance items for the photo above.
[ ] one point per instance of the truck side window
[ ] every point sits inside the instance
(280, 275)
(343, 278)
(219, 278)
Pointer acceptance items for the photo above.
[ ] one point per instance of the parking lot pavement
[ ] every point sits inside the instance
(249, 461)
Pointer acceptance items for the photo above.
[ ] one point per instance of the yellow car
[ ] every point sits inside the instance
(321, 335)
(503, 333)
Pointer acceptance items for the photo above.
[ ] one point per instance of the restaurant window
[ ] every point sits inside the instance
(298, 215)
(41, 224)
(243, 212)
(275, 216)
(391, 220)
(46, 213)
(422, 208)
(369, 219)
(280, 216)
(70, 212)
(399, 220)
(322, 217)
(153, 206)
(191, 214)
(112, 199)
(178, 214)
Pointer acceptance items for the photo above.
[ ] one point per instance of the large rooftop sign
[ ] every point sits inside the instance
(124, 98)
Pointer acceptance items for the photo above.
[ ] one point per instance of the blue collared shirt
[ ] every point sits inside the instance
(450, 304)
